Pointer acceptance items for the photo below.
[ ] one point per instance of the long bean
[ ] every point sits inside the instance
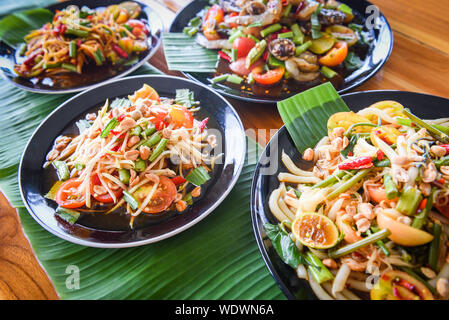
(159, 149)
(332, 179)
(349, 183)
(390, 187)
(435, 246)
(419, 278)
(409, 201)
(350, 248)
(381, 245)
(439, 135)
(420, 219)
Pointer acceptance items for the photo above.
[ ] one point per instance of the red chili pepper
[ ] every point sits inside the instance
(159, 125)
(299, 8)
(396, 293)
(380, 155)
(422, 204)
(203, 124)
(446, 147)
(178, 180)
(120, 117)
(122, 53)
(62, 29)
(406, 284)
(442, 181)
(233, 14)
(30, 61)
(265, 55)
(96, 179)
(284, 3)
(357, 163)
(224, 56)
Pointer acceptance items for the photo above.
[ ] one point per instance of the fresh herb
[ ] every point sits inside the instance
(62, 169)
(109, 126)
(120, 103)
(185, 97)
(198, 176)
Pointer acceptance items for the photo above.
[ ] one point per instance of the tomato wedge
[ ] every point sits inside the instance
(213, 17)
(180, 116)
(68, 196)
(243, 45)
(268, 78)
(104, 198)
(162, 198)
(146, 92)
(336, 55)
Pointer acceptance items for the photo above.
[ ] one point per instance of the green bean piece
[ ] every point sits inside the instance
(273, 28)
(133, 203)
(255, 53)
(287, 10)
(52, 65)
(328, 72)
(136, 131)
(153, 140)
(99, 57)
(381, 245)
(234, 79)
(439, 135)
(235, 35)
(435, 246)
(383, 163)
(233, 54)
(272, 61)
(298, 36)
(409, 201)
(150, 130)
(254, 38)
(159, 149)
(76, 32)
(359, 124)
(302, 48)
(220, 78)
(72, 49)
(70, 67)
(22, 49)
(420, 220)
(349, 184)
(390, 187)
(62, 169)
(332, 179)
(350, 248)
(317, 268)
(284, 35)
(140, 165)
(444, 161)
(123, 175)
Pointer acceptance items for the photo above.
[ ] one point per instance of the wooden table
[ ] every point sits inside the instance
(419, 62)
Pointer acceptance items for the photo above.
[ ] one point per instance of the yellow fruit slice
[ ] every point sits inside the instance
(315, 230)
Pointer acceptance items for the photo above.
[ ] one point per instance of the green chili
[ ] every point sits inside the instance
(109, 126)
(159, 149)
(317, 268)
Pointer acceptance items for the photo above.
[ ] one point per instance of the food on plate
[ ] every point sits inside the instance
(370, 219)
(77, 38)
(144, 154)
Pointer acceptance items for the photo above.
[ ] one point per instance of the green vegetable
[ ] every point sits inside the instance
(287, 10)
(437, 134)
(51, 195)
(250, 79)
(315, 22)
(235, 35)
(383, 163)
(234, 79)
(153, 140)
(62, 169)
(185, 97)
(272, 61)
(133, 203)
(136, 131)
(255, 53)
(149, 130)
(349, 184)
(76, 32)
(330, 180)
(380, 243)
(409, 201)
(353, 62)
(159, 149)
(350, 248)
(444, 161)
(273, 28)
(124, 175)
(298, 36)
(254, 38)
(285, 35)
(435, 246)
(345, 9)
(284, 246)
(52, 65)
(80, 166)
(140, 165)
(297, 193)
(188, 198)
(318, 269)
(72, 49)
(191, 31)
(109, 126)
(22, 49)
(69, 67)
(233, 54)
(420, 220)
(328, 72)
(198, 176)
(220, 78)
(390, 187)
(68, 215)
(302, 48)
(99, 57)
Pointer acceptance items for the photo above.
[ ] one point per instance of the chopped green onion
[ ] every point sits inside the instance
(109, 126)
(124, 175)
(159, 149)
(234, 79)
(328, 72)
(68, 215)
(198, 176)
(133, 203)
(273, 28)
(72, 49)
(302, 48)
(62, 169)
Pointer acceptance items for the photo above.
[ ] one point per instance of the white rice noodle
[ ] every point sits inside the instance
(340, 279)
(274, 206)
(317, 289)
(328, 287)
(301, 272)
(287, 161)
(292, 202)
(377, 112)
(288, 177)
(350, 295)
(332, 214)
(287, 212)
(358, 285)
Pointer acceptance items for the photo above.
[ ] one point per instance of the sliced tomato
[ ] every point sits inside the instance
(137, 27)
(239, 66)
(268, 78)
(146, 92)
(180, 116)
(104, 198)
(211, 34)
(243, 45)
(68, 196)
(213, 17)
(162, 198)
(336, 55)
(215, 13)
(233, 25)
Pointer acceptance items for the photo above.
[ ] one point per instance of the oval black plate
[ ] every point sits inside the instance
(35, 182)
(93, 76)
(423, 105)
(375, 59)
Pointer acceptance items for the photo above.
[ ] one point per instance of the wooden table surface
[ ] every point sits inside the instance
(419, 62)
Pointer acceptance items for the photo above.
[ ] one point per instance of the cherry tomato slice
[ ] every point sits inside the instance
(67, 195)
(146, 92)
(162, 198)
(336, 55)
(268, 78)
(243, 46)
(213, 17)
(104, 198)
(180, 116)
(215, 13)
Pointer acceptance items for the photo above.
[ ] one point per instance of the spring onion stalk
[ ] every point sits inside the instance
(435, 246)
(152, 141)
(76, 32)
(140, 165)
(328, 72)
(70, 67)
(409, 201)
(159, 149)
(109, 126)
(72, 49)
(302, 48)
(332, 179)
(419, 278)
(133, 203)
(198, 176)
(380, 243)
(62, 169)
(350, 248)
(123, 175)
(273, 28)
(441, 128)
(390, 187)
(220, 78)
(420, 220)
(404, 122)
(298, 36)
(349, 183)
(234, 79)
(68, 215)
(317, 268)
(439, 135)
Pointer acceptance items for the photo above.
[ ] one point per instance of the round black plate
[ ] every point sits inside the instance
(375, 59)
(423, 105)
(114, 232)
(95, 76)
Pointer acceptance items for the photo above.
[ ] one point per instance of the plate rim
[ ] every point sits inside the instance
(253, 196)
(265, 101)
(88, 243)
(133, 68)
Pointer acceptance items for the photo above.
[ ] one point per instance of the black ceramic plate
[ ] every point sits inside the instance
(423, 105)
(91, 76)
(113, 231)
(375, 58)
